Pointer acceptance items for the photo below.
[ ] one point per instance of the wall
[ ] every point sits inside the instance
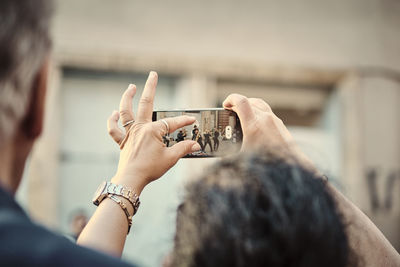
(307, 33)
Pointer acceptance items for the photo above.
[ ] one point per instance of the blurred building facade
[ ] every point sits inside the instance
(329, 69)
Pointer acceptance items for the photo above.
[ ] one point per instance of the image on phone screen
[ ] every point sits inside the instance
(217, 131)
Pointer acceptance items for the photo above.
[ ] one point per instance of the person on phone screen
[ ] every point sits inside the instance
(207, 140)
(166, 140)
(216, 139)
(198, 138)
(194, 132)
(180, 136)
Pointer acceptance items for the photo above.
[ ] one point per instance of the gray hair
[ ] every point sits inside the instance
(24, 44)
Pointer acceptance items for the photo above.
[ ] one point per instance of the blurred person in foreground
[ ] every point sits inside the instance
(254, 209)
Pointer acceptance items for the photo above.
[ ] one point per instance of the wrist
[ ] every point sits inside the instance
(137, 184)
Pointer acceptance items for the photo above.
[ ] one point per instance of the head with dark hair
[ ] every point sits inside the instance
(259, 210)
(24, 45)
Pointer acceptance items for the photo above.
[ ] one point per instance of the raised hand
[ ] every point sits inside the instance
(144, 157)
(262, 129)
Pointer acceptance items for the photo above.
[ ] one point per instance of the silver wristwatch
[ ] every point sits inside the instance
(108, 188)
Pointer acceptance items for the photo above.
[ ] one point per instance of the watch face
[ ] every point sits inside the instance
(98, 192)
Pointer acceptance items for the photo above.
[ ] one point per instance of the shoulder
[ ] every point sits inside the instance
(27, 244)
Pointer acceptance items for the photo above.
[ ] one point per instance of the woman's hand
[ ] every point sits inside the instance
(262, 128)
(144, 157)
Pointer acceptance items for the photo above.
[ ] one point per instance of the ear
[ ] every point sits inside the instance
(32, 125)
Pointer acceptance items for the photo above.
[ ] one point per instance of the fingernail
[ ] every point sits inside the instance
(196, 147)
(152, 74)
(131, 86)
(115, 114)
(226, 105)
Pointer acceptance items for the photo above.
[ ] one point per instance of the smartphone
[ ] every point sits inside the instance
(217, 130)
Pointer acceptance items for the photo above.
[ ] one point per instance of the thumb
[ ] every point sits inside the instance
(183, 148)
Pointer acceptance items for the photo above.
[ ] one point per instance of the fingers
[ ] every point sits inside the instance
(112, 126)
(175, 123)
(241, 105)
(145, 108)
(260, 104)
(183, 148)
(125, 106)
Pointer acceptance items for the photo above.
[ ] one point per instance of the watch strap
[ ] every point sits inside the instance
(125, 192)
(118, 190)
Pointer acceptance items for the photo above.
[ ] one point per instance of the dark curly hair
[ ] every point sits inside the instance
(259, 210)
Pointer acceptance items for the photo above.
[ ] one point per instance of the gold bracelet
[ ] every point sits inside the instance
(124, 208)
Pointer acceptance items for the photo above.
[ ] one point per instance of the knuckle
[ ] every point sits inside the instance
(188, 149)
(124, 113)
(174, 121)
(262, 103)
(235, 95)
(268, 118)
(146, 100)
(259, 100)
(112, 131)
(242, 100)
(230, 97)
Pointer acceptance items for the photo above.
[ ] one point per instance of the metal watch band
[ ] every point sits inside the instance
(125, 192)
(124, 208)
(108, 188)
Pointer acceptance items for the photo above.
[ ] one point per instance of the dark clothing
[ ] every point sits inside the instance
(166, 140)
(180, 137)
(199, 139)
(24, 243)
(216, 140)
(207, 137)
(194, 134)
(207, 141)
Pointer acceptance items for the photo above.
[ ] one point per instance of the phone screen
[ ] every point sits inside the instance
(217, 131)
